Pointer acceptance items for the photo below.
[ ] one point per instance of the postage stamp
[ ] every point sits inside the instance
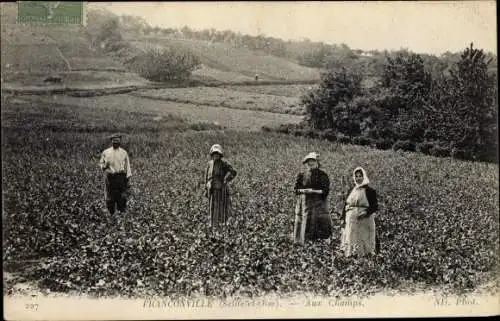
(57, 12)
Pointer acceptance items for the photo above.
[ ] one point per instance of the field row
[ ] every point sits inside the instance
(245, 120)
(238, 97)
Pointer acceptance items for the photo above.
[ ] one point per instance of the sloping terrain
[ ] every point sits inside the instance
(50, 48)
(224, 62)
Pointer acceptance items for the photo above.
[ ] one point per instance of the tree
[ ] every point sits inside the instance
(166, 64)
(474, 93)
(407, 80)
(133, 24)
(328, 107)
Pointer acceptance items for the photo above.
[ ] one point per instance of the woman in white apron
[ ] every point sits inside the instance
(359, 235)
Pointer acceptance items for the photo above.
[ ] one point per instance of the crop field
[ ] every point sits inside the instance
(277, 90)
(230, 98)
(438, 219)
(84, 77)
(245, 120)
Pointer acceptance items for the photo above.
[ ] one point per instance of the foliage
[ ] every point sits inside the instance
(438, 220)
(103, 29)
(454, 114)
(328, 107)
(468, 98)
(170, 63)
(405, 145)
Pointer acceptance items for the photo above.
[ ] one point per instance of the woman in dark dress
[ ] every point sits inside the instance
(312, 220)
(217, 176)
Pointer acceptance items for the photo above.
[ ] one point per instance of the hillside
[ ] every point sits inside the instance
(226, 63)
(50, 48)
(45, 49)
(54, 49)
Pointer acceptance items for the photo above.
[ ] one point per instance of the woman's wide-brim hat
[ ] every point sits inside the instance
(309, 156)
(216, 149)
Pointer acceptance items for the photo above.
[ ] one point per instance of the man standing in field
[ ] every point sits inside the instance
(116, 165)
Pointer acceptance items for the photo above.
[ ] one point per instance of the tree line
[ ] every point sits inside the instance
(448, 112)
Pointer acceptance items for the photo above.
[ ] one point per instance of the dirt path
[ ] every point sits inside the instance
(247, 120)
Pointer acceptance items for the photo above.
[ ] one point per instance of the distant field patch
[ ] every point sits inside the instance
(245, 120)
(72, 78)
(278, 90)
(230, 98)
(219, 75)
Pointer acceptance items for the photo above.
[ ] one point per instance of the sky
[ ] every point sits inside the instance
(424, 27)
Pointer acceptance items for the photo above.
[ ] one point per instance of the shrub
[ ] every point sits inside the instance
(343, 139)
(440, 151)
(360, 140)
(424, 147)
(166, 64)
(328, 134)
(461, 153)
(383, 144)
(405, 145)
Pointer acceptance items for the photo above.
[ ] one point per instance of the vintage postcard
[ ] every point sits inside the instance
(233, 160)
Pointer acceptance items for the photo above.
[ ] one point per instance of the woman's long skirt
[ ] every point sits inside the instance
(220, 206)
(312, 220)
(359, 235)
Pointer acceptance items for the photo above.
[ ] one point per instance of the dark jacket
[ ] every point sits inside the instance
(318, 180)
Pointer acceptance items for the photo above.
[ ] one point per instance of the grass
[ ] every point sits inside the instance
(30, 48)
(228, 62)
(438, 219)
(87, 77)
(246, 120)
(278, 90)
(228, 97)
(31, 115)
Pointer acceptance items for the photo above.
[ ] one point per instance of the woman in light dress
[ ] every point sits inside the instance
(359, 235)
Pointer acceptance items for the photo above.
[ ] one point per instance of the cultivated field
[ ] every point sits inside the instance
(438, 222)
(75, 78)
(277, 90)
(228, 97)
(245, 120)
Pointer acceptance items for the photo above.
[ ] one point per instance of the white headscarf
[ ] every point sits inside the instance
(365, 177)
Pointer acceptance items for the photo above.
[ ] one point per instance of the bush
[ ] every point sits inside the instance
(360, 140)
(343, 139)
(461, 153)
(328, 134)
(424, 147)
(440, 151)
(405, 145)
(166, 64)
(383, 144)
